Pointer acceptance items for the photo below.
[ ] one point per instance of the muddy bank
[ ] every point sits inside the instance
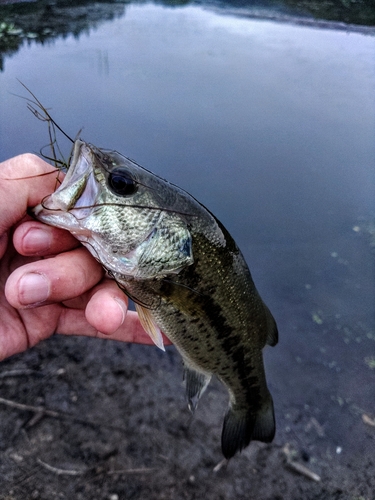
(113, 424)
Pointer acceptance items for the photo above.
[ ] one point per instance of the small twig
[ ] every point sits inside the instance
(35, 419)
(132, 471)
(301, 469)
(313, 423)
(17, 373)
(35, 409)
(60, 472)
(297, 467)
(75, 472)
(368, 420)
(41, 411)
(220, 465)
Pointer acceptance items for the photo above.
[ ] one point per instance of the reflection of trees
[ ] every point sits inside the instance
(346, 11)
(42, 20)
(9, 40)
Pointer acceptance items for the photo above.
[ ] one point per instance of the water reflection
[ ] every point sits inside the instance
(269, 125)
(35, 21)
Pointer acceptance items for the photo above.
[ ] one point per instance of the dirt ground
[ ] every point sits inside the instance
(104, 420)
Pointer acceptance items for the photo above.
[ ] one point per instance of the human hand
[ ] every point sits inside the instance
(49, 283)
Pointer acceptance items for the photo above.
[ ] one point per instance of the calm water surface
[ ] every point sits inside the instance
(272, 127)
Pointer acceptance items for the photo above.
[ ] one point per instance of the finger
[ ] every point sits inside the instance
(21, 330)
(107, 314)
(35, 238)
(107, 308)
(56, 279)
(23, 183)
(132, 331)
(74, 322)
(3, 244)
(107, 311)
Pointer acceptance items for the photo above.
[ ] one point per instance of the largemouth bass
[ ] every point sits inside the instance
(185, 274)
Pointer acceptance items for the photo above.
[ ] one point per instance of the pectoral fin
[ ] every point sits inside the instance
(149, 325)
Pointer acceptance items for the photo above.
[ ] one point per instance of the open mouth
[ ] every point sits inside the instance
(77, 192)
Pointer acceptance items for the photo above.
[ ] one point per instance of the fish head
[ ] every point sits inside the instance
(125, 215)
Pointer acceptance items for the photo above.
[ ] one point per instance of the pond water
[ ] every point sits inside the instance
(271, 126)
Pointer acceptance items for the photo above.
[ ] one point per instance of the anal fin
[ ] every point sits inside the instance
(237, 432)
(196, 383)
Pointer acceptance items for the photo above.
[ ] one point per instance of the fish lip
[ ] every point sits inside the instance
(78, 191)
(76, 154)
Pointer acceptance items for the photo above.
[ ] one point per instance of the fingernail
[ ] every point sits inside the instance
(37, 240)
(123, 309)
(33, 288)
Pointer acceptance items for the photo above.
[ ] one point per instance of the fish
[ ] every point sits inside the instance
(184, 272)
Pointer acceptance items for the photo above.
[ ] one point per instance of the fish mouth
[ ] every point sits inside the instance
(75, 197)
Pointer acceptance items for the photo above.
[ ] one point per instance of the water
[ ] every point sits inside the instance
(271, 126)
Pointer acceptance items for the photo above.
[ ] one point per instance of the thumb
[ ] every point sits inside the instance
(24, 181)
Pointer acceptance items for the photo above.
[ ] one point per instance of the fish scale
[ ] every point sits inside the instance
(185, 273)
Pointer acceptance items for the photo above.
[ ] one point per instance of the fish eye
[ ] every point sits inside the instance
(121, 182)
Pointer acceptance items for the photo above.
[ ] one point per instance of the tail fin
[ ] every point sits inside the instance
(240, 427)
(265, 426)
(237, 432)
